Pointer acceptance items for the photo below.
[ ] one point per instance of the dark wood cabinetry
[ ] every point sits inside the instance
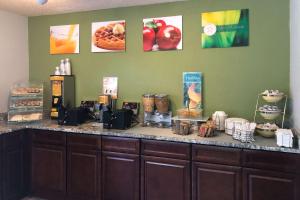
(216, 172)
(58, 165)
(120, 168)
(12, 167)
(270, 176)
(120, 176)
(210, 181)
(274, 161)
(48, 164)
(269, 185)
(166, 177)
(84, 165)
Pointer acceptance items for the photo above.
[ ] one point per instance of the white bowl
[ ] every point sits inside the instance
(265, 132)
(273, 98)
(270, 115)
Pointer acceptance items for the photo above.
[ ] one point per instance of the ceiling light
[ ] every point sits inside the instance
(42, 2)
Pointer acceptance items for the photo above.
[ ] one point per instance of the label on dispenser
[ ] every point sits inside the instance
(56, 88)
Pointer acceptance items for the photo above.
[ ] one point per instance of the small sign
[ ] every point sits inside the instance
(110, 86)
(192, 90)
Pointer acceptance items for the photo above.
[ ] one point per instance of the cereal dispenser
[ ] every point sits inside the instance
(157, 110)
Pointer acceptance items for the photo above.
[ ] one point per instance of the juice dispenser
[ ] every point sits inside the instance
(63, 93)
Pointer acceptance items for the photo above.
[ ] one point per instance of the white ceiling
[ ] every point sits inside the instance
(31, 8)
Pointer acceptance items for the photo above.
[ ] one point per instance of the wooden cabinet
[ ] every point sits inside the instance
(12, 168)
(72, 166)
(216, 172)
(26, 140)
(166, 177)
(210, 181)
(274, 161)
(270, 176)
(120, 176)
(48, 164)
(270, 185)
(84, 165)
(120, 168)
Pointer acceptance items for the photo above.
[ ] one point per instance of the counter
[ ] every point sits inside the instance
(221, 139)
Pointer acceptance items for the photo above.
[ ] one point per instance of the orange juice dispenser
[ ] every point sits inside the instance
(63, 93)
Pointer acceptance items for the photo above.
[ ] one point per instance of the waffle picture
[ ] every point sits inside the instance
(110, 36)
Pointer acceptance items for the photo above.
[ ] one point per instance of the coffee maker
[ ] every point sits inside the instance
(157, 110)
(62, 93)
(105, 103)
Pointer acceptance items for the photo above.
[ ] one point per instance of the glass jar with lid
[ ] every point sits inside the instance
(162, 103)
(148, 102)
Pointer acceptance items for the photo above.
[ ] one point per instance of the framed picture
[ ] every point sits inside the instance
(108, 36)
(223, 29)
(162, 33)
(64, 39)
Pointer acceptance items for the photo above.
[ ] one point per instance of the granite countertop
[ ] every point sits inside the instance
(221, 139)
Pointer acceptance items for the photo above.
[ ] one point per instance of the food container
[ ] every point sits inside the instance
(230, 124)
(162, 103)
(25, 103)
(148, 102)
(272, 96)
(26, 90)
(244, 132)
(26, 116)
(266, 130)
(284, 137)
(187, 126)
(18, 102)
(272, 99)
(207, 129)
(189, 113)
(181, 127)
(270, 115)
(219, 118)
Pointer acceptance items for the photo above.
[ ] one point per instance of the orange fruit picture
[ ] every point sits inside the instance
(64, 39)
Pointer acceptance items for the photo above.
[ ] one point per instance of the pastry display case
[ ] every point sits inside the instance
(25, 103)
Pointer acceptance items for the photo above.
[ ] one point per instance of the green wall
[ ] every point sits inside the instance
(232, 77)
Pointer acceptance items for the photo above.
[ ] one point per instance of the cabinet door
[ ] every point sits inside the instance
(12, 173)
(120, 176)
(83, 174)
(26, 163)
(212, 181)
(165, 179)
(13, 166)
(268, 185)
(49, 171)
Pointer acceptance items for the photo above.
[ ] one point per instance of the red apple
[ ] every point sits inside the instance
(168, 37)
(159, 24)
(148, 38)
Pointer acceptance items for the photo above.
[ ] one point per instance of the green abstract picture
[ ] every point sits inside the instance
(225, 29)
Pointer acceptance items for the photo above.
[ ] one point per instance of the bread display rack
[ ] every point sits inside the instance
(25, 103)
(274, 107)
